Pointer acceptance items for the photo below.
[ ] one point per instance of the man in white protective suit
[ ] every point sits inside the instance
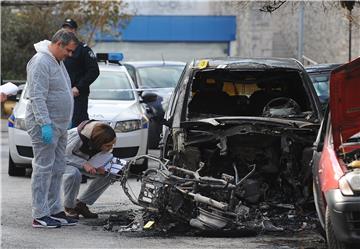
(48, 115)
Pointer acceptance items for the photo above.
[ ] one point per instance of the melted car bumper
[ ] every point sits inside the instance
(345, 215)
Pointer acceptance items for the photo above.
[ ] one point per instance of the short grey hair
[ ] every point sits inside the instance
(65, 37)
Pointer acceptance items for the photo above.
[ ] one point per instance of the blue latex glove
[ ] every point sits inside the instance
(47, 133)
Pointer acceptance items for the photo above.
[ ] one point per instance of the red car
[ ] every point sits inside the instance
(336, 160)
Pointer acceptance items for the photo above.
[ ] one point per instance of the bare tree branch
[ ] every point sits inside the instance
(29, 3)
(271, 7)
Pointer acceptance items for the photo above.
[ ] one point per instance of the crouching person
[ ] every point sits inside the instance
(84, 142)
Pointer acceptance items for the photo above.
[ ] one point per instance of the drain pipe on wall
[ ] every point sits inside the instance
(301, 33)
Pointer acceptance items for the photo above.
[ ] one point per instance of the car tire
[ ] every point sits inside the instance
(13, 170)
(332, 241)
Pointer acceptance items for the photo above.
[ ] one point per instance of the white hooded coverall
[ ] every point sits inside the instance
(75, 159)
(50, 102)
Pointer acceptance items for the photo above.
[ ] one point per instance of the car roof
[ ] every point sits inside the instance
(111, 67)
(154, 63)
(251, 63)
(322, 67)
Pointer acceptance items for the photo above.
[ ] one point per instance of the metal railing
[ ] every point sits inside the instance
(310, 61)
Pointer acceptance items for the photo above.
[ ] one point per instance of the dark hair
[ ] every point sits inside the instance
(102, 134)
(65, 37)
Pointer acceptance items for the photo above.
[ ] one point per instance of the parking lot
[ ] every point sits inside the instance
(207, 123)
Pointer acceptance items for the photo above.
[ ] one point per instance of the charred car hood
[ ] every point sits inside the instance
(345, 101)
(218, 121)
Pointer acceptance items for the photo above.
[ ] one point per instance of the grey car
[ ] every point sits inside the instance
(159, 77)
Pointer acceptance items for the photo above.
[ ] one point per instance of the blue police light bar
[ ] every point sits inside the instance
(115, 56)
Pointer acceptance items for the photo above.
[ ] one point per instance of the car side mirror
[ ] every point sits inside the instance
(147, 97)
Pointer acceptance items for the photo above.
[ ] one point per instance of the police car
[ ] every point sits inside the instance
(113, 99)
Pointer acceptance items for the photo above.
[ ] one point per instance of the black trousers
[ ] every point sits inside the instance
(80, 109)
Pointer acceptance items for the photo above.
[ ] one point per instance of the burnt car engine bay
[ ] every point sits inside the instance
(238, 169)
(252, 185)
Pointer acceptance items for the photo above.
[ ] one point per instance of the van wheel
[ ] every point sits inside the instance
(332, 241)
(15, 171)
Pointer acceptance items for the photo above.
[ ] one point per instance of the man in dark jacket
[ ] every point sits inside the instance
(83, 70)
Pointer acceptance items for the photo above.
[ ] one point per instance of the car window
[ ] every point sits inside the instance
(112, 85)
(131, 72)
(248, 93)
(321, 85)
(160, 76)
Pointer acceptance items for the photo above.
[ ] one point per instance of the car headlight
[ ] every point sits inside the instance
(350, 183)
(127, 126)
(20, 124)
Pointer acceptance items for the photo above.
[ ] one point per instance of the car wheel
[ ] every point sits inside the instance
(13, 170)
(332, 241)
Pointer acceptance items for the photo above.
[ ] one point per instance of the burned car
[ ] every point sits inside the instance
(236, 146)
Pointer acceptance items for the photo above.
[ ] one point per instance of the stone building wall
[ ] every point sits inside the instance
(326, 35)
(276, 34)
(262, 34)
(253, 35)
(325, 32)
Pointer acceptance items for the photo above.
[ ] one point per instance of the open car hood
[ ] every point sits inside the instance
(345, 101)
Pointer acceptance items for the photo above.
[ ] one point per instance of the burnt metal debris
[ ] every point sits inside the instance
(180, 199)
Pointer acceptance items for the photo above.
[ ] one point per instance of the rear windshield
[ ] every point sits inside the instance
(112, 85)
(159, 76)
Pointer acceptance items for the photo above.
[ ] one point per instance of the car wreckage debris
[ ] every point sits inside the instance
(181, 200)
